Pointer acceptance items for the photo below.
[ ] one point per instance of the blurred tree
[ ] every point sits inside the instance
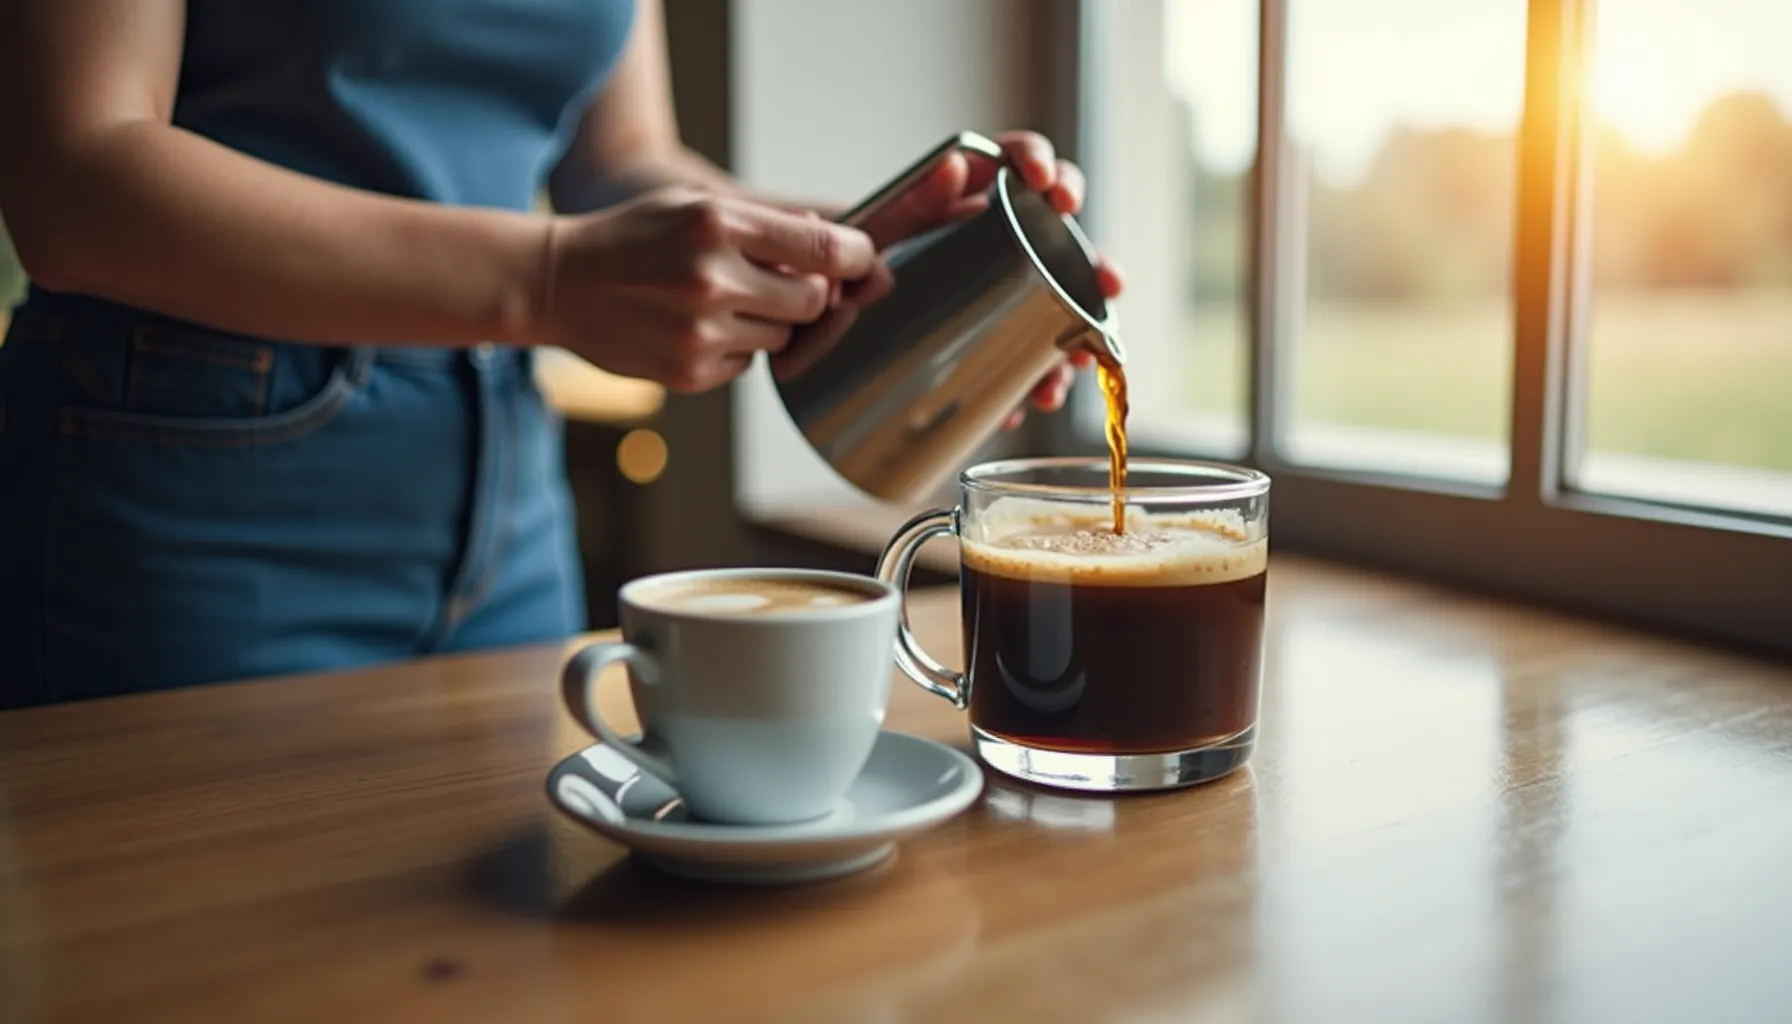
(1432, 216)
(1726, 215)
(1219, 243)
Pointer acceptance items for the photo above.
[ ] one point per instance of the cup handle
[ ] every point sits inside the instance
(898, 559)
(578, 685)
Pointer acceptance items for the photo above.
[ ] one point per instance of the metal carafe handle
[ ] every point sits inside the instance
(974, 144)
(968, 143)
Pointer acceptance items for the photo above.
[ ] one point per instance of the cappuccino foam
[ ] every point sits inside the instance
(1031, 540)
(747, 596)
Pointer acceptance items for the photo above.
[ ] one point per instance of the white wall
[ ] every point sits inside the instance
(1139, 168)
(831, 98)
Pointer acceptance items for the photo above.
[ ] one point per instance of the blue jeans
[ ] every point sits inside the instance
(180, 505)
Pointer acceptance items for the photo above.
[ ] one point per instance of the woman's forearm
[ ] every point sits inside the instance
(579, 186)
(157, 217)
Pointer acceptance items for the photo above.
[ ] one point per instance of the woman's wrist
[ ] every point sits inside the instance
(518, 313)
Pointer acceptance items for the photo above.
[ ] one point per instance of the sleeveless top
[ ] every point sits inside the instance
(468, 102)
(227, 506)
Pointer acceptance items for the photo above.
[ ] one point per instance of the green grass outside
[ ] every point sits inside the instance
(1701, 376)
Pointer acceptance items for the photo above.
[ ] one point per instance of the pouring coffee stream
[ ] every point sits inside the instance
(1112, 376)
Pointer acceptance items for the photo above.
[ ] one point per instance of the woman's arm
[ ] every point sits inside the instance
(104, 196)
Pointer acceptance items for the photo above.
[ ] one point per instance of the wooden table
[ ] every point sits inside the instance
(1460, 812)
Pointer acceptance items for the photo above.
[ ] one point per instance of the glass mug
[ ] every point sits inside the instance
(1093, 660)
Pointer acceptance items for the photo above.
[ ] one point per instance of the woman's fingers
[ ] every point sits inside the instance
(955, 188)
(768, 294)
(1108, 278)
(935, 199)
(1048, 395)
(779, 238)
(744, 334)
(1066, 193)
(944, 185)
(1032, 155)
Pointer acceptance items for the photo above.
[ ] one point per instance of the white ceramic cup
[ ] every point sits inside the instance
(754, 719)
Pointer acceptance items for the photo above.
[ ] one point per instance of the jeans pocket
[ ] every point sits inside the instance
(170, 405)
(199, 374)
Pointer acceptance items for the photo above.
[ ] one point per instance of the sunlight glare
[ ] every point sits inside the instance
(1657, 64)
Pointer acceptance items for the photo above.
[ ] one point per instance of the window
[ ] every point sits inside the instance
(1501, 292)
(1689, 343)
(1169, 149)
(1398, 205)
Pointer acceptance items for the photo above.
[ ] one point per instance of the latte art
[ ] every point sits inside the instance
(748, 596)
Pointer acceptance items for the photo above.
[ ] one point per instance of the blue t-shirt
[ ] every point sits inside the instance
(470, 102)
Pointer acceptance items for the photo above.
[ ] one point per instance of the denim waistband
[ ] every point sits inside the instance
(432, 357)
(119, 321)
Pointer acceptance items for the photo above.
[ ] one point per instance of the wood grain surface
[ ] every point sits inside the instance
(1460, 811)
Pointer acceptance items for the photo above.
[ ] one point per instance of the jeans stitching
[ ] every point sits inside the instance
(201, 348)
(499, 528)
(301, 421)
(222, 353)
(510, 476)
(463, 594)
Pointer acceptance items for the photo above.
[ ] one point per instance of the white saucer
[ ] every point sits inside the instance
(909, 785)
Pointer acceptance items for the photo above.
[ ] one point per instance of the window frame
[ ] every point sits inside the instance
(1720, 575)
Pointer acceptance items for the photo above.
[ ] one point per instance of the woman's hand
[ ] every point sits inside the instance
(683, 286)
(958, 188)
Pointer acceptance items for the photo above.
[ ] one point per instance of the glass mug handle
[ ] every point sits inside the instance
(893, 568)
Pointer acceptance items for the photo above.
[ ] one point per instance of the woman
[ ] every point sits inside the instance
(188, 500)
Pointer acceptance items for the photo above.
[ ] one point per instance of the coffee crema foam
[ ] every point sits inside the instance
(749, 597)
(1030, 540)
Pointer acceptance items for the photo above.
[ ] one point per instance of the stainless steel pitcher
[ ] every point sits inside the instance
(973, 315)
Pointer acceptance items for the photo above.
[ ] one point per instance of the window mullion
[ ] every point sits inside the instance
(1544, 276)
(1267, 247)
(1572, 363)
